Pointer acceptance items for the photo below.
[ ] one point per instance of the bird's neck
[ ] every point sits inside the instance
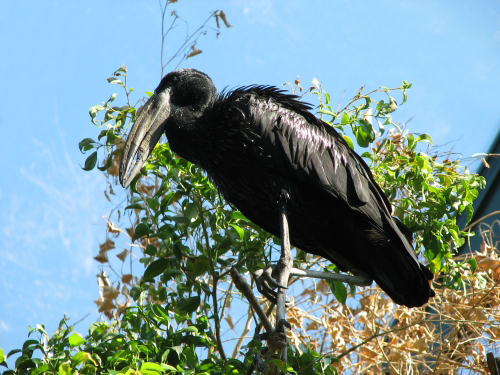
(185, 131)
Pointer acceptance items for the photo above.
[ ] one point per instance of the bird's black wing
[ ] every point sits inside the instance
(311, 150)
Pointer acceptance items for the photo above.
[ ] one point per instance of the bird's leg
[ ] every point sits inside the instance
(284, 265)
(283, 268)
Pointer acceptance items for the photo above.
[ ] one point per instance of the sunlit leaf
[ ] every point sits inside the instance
(75, 340)
(240, 231)
(424, 138)
(114, 81)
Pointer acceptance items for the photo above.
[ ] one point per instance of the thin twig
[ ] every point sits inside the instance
(244, 288)
(214, 279)
(245, 331)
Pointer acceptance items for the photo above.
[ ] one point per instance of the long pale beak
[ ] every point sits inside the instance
(146, 132)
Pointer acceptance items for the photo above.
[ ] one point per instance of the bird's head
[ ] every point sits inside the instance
(182, 95)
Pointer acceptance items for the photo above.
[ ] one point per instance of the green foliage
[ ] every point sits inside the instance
(146, 339)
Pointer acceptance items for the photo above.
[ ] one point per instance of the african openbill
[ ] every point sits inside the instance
(262, 148)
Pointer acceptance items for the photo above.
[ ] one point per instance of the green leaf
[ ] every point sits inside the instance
(473, 264)
(170, 274)
(191, 211)
(86, 144)
(12, 352)
(189, 305)
(154, 269)
(349, 141)
(201, 265)
(381, 127)
(362, 138)
(65, 369)
(237, 215)
(114, 81)
(161, 312)
(240, 231)
(112, 98)
(345, 119)
(424, 138)
(151, 250)
(283, 367)
(340, 291)
(75, 339)
(327, 112)
(150, 366)
(141, 230)
(90, 162)
(40, 370)
(108, 164)
(2, 356)
(81, 357)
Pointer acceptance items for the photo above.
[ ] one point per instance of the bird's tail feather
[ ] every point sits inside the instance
(400, 275)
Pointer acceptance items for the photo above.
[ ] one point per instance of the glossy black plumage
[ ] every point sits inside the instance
(260, 145)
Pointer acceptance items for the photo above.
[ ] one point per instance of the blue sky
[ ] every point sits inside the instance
(56, 56)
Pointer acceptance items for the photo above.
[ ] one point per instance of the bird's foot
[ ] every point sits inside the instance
(281, 324)
(266, 284)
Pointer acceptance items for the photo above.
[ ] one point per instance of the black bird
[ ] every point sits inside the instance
(261, 146)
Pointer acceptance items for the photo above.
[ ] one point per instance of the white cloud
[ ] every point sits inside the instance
(4, 326)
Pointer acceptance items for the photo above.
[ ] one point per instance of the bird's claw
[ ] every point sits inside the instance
(266, 284)
(281, 324)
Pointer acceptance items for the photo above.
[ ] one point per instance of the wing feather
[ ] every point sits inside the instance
(312, 151)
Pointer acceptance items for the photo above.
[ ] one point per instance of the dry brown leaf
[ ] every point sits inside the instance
(122, 307)
(229, 321)
(114, 170)
(495, 331)
(102, 257)
(369, 353)
(106, 246)
(480, 315)
(194, 52)
(107, 196)
(223, 18)
(312, 326)
(323, 287)
(146, 189)
(367, 301)
(176, 197)
(130, 232)
(395, 355)
(110, 292)
(488, 264)
(123, 255)
(126, 279)
(112, 228)
(125, 291)
(421, 344)
(106, 306)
